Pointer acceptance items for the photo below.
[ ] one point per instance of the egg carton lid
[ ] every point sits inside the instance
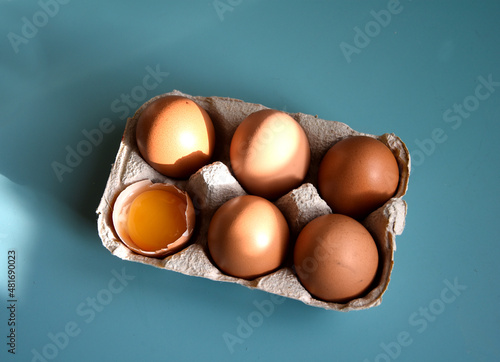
(215, 184)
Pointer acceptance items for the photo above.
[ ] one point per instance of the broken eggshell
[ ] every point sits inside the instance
(121, 211)
(215, 184)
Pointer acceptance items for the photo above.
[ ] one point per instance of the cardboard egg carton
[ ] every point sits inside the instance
(214, 184)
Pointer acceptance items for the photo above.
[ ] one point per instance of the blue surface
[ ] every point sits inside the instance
(60, 78)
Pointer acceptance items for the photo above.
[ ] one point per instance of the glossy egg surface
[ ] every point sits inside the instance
(248, 237)
(175, 136)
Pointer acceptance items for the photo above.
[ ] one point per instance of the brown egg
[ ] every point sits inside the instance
(154, 219)
(358, 175)
(248, 237)
(269, 153)
(336, 258)
(175, 136)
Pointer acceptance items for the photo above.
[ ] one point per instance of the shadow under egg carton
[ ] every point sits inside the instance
(214, 184)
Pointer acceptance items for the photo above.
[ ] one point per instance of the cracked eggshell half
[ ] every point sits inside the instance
(183, 209)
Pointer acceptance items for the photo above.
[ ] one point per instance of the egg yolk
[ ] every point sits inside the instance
(156, 219)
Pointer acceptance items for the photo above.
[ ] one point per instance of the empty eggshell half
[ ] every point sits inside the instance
(121, 213)
(214, 184)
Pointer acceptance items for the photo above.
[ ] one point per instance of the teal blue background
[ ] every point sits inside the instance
(286, 55)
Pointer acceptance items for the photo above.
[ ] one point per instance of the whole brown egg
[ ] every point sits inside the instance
(248, 237)
(358, 175)
(269, 153)
(335, 258)
(175, 136)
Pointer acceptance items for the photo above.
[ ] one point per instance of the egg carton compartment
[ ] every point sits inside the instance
(214, 184)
